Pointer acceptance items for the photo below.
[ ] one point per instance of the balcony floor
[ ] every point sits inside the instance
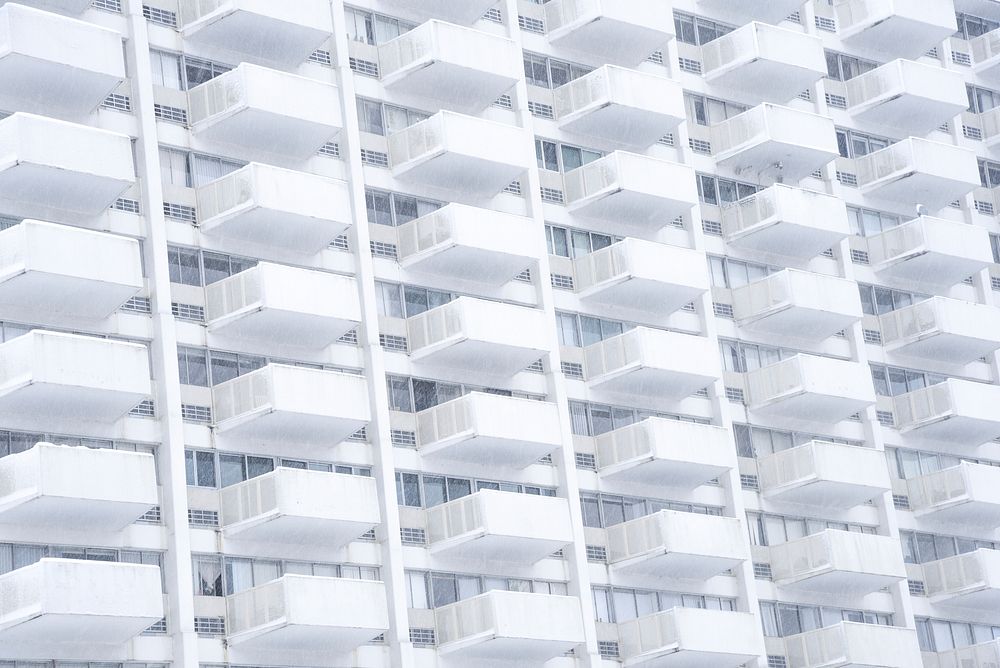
(834, 582)
(471, 176)
(41, 295)
(945, 347)
(465, 89)
(258, 130)
(261, 228)
(484, 356)
(787, 239)
(472, 448)
(477, 546)
(637, 379)
(69, 512)
(957, 428)
(44, 191)
(678, 565)
(27, 84)
(652, 470)
(824, 493)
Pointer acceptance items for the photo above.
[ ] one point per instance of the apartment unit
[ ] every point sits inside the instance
(460, 333)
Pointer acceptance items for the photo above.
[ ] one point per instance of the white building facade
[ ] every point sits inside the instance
(566, 333)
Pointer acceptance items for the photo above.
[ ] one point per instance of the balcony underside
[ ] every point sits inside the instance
(465, 88)
(797, 161)
(673, 656)
(276, 326)
(45, 400)
(834, 582)
(655, 470)
(935, 192)
(677, 565)
(33, 509)
(962, 513)
(986, 599)
(478, 546)
(810, 406)
(34, 293)
(946, 347)
(29, 84)
(265, 428)
(958, 428)
(36, 190)
(262, 228)
(912, 114)
(636, 209)
(823, 493)
(930, 267)
(632, 292)
(788, 239)
(486, 450)
(487, 650)
(637, 379)
(271, 641)
(259, 130)
(777, 81)
(269, 38)
(473, 176)
(466, 262)
(487, 356)
(278, 527)
(636, 128)
(800, 321)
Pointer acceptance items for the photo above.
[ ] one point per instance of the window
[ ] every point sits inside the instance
(435, 589)
(215, 575)
(740, 357)
(716, 191)
(192, 364)
(853, 144)
(369, 28)
(550, 73)
(583, 330)
(760, 442)
(973, 26)
(989, 173)
(595, 419)
(575, 243)
(180, 72)
(393, 209)
(604, 510)
(842, 67)
(876, 300)
(620, 605)
(415, 395)
(696, 30)
(192, 267)
(939, 635)
(555, 157)
(427, 490)
(866, 222)
(905, 464)
(771, 529)
(709, 111)
(921, 548)
(982, 100)
(729, 273)
(786, 619)
(418, 300)
(378, 118)
(192, 170)
(201, 467)
(893, 381)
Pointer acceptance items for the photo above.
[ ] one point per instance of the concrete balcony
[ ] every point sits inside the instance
(239, 109)
(824, 475)
(642, 275)
(930, 251)
(297, 507)
(764, 61)
(39, 54)
(808, 387)
(919, 170)
(648, 361)
(896, 28)
(277, 304)
(799, 303)
(465, 155)
(277, 32)
(910, 97)
(838, 562)
(659, 451)
(491, 525)
(304, 618)
(690, 638)
(620, 105)
(527, 629)
(56, 169)
(489, 429)
(771, 11)
(967, 495)
(942, 329)
(49, 376)
(759, 139)
(957, 411)
(628, 190)
(986, 55)
(70, 607)
(609, 31)
(854, 645)
(970, 580)
(493, 337)
(463, 12)
(259, 208)
(468, 243)
(675, 544)
(786, 221)
(68, 487)
(286, 407)
(465, 68)
(53, 272)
